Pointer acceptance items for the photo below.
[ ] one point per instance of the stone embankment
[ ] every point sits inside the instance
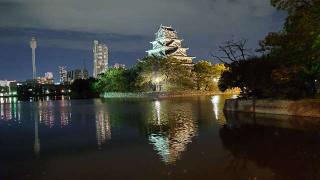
(309, 108)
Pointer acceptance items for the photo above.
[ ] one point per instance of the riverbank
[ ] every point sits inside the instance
(308, 108)
(158, 94)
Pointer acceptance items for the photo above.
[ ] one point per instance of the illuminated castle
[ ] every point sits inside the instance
(167, 44)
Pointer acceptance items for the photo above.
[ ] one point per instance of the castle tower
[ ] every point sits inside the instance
(167, 44)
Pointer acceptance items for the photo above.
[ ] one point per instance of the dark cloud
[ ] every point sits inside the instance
(137, 16)
(67, 39)
(127, 26)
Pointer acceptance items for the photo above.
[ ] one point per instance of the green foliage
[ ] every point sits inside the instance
(169, 73)
(84, 88)
(291, 65)
(252, 76)
(114, 80)
(297, 47)
(206, 75)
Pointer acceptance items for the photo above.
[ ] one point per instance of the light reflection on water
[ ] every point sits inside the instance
(9, 109)
(185, 138)
(172, 141)
(103, 128)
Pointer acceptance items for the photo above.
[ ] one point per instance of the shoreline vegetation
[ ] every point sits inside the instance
(108, 95)
(287, 70)
(286, 65)
(161, 77)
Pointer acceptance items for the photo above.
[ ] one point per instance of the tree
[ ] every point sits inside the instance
(233, 51)
(251, 76)
(113, 80)
(297, 46)
(290, 64)
(207, 75)
(84, 88)
(170, 73)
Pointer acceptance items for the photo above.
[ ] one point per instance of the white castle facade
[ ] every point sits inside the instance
(100, 58)
(167, 44)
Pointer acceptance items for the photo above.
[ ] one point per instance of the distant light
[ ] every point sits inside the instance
(234, 96)
(157, 80)
(62, 91)
(29, 89)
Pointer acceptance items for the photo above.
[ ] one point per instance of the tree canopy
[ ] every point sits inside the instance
(290, 64)
(207, 75)
(169, 73)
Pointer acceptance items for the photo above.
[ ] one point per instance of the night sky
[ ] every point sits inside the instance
(65, 29)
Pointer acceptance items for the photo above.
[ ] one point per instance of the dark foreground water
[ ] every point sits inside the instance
(178, 138)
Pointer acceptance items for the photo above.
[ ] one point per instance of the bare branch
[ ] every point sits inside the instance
(234, 51)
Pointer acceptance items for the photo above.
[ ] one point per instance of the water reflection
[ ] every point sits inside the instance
(289, 146)
(46, 112)
(9, 109)
(49, 109)
(157, 108)
(34, 115)
(186, 137)
(103, 128)
(218, 104)
(172, 129)
(65, 112)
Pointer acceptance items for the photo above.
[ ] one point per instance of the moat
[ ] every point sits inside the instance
(172, 138)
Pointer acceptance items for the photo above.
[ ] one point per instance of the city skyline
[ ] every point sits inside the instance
(127, 34)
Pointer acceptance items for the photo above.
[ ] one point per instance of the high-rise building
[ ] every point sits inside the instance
(117, 66)
(167, 44)
(33, 45)
(63, 74)
(77, 74)
(100, 58)
(47, 79)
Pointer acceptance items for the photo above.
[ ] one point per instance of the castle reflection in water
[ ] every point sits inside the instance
(172, 129)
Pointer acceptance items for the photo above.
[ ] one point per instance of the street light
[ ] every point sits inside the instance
(157, 83)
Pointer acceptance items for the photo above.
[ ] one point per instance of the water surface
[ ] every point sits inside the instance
(177, 138)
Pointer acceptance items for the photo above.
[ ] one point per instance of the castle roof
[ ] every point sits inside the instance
(167, 44)
(168, 28)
